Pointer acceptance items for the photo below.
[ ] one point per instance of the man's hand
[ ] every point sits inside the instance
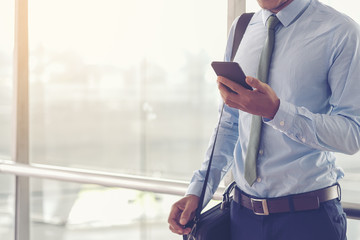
(181, 213)
(262, 100)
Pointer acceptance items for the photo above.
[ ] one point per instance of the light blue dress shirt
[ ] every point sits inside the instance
(315, 72)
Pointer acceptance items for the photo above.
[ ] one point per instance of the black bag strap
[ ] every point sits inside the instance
(203, 191)
(240, 29)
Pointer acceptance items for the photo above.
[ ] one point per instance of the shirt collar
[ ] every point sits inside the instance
(289, 14)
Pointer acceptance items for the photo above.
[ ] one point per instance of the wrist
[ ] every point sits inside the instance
(275, 110)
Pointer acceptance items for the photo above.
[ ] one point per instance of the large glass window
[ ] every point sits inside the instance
(121, 86)
(6, 71)
(7, 203)
(97, 213)
(124, 86)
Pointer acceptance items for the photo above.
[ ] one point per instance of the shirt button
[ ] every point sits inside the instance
(303, 140)
(258, 179)
(282, 123)
(261, 152)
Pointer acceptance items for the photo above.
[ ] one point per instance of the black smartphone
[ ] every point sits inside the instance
(231, 71)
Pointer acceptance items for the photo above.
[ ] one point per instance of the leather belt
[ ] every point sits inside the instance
(291, 203)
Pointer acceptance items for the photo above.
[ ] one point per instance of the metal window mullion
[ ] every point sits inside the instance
(20, 152)
(235, 9)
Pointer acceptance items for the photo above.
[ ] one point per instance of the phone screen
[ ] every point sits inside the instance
(231, 71)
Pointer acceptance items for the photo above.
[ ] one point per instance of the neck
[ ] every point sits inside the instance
(281, 6)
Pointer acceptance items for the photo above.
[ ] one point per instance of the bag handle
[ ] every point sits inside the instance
(240, 29)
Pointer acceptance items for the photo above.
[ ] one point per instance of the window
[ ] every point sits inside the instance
(68, 211)
(6, 71)
(124, 86)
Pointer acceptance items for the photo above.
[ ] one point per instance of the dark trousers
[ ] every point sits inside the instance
(326, 223)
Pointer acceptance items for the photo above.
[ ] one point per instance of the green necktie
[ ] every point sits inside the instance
(262, 75)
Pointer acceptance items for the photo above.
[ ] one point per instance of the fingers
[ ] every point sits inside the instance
(225, 92)
(174, 225)
(224, 84)
(229, 97)
(181, 213)
(230, 86)
(187, 214)
(256, 84)
(182, 231)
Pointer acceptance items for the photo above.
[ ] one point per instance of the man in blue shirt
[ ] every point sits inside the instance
(309, 108)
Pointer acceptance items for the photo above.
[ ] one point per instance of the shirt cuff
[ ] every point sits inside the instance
(195, 188)
(283, 119)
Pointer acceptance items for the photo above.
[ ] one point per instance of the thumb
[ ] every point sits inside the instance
(186, 214)
(255, 83)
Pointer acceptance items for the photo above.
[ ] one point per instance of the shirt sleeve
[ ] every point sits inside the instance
(338, 130)
(222, 158)
(225, 143)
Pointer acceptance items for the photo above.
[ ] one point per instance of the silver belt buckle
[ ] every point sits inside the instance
(263, 204)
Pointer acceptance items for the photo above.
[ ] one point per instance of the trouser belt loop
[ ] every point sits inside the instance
(291, 204)
(338, 191)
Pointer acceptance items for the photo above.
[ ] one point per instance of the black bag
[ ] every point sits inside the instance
(214, 224)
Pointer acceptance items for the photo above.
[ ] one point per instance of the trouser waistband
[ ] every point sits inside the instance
(292, 203)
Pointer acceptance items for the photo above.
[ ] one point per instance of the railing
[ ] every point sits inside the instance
(100, 178)
(120, 180)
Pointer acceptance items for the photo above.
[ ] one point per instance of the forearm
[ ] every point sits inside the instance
(336, 133)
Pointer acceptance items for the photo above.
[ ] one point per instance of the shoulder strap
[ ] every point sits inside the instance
(239, 32)
(241, 26)
(203, 191)
(240, 29)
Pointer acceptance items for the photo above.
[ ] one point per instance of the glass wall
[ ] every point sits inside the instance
(6, 72)
(120, 86)
(98, 213)
(7, 203)
(124, 86)
(7, 199)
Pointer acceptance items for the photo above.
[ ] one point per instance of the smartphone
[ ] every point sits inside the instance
(231, 71)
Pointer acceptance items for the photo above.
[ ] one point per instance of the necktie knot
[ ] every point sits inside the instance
(272, 22)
